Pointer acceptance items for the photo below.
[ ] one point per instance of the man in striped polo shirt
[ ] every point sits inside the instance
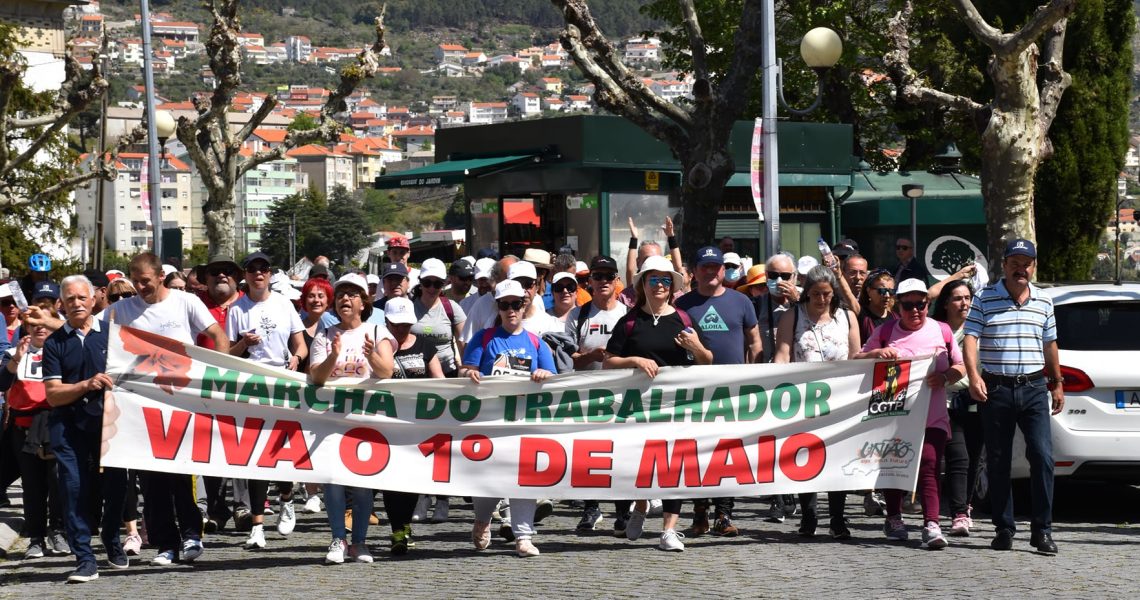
(1011, 360)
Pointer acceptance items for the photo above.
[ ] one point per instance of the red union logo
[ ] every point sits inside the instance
(888, 390)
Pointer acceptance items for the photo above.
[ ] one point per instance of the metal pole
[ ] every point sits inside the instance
(1118, 204)
(914, 226)
(97, 255)
(293, 242)
(771, 183)
(154, 173)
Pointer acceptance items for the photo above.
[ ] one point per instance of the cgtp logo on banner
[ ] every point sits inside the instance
(689, 432)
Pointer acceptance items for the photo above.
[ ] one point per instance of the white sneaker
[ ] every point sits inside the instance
(441, 507)
(420, 514)
(312, 505)
(655, 508)
(932, 536)
(256, 537)
(635, 526)
(671, 541)
(359, 553)
(287, 519)
(336, 551)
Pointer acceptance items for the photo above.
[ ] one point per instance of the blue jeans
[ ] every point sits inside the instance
(1028, 407)
(361, 509)
(77, 460)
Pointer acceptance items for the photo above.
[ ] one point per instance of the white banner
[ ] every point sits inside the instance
(690, 432)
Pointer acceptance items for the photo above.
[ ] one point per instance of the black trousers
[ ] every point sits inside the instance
(216, 506)
(399, 506)
(170, 510)
(836, 503)
(259, 490)
(963, 453)
(42, 510)
(9, 457)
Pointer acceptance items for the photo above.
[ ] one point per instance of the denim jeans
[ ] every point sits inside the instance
(76, 448)
(1028, 407)
(361, 509)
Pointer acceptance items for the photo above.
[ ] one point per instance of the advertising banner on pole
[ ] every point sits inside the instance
(705, 431)
(756, 171)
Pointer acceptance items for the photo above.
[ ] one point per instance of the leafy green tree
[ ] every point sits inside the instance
(277, 235)
(343, 231)
(303, 122)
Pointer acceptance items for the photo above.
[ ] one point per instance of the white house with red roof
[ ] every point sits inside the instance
(326, 168)
(450, 53)
(528, 104)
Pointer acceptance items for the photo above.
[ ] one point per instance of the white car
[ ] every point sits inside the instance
(1097, 435)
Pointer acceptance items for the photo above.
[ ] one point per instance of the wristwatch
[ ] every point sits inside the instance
(1051, 383)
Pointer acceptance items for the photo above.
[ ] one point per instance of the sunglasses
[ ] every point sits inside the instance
(775, 275)
(349, 293)
(117, 297)
(512, 305)
(564, 288)
(902, 247)
(254, 268)
(603, 276)
(908, 305)
(526, 282)
(663, 280)
(218, 272)
(6, 303)
(434, 284)
(885, 291)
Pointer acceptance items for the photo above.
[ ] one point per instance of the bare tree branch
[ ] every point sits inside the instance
(1042, 21)
(1054, 79)
(986, 33)
(906, 79)
(605, 56)
(696, 39)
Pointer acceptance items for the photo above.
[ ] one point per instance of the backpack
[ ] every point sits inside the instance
(686, 320)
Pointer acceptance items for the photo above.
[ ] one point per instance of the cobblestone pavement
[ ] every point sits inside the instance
(1096, 531)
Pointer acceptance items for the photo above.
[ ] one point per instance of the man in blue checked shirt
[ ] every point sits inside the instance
(1011, 359)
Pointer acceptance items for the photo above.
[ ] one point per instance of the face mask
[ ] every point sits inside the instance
(773, 286)
(732, 274)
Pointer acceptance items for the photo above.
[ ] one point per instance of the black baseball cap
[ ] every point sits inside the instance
(603, 262)
(461, 269)
(256, 256)
(394, 269)
(97, 278)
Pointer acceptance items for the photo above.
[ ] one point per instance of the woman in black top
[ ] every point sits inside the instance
(415, 359)
(655, 334)
(316, 297)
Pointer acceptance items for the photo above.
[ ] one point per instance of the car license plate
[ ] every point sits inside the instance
(1128, 399)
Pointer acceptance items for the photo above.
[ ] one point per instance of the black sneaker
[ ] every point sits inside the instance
(620, 523)
(83, 573)
(775, 512)
(1003, 540)
(118, 560)
(839, 530)
(243, 520)
(808, 523)
(590, 519)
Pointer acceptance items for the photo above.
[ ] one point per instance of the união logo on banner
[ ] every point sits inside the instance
(888, 393)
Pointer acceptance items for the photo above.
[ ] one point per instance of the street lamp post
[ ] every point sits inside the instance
(1121, 194)
(913, 191)
(820, 49)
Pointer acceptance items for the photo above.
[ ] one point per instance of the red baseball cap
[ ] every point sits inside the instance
(399, 241)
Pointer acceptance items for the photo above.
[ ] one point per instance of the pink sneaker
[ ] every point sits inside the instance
(132, 544)
(961, 525)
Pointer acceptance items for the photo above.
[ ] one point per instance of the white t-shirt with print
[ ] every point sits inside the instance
(352, 364)
(180, 316)
(274, 319)
(596, 331)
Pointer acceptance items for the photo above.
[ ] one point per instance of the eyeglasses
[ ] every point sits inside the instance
(117, 297)
(256, 268)
(7, 302)
(218, 272)
(603, 276)
(351, 293)
(656, 280)
(908, 305)
(902, 247)
(564, 288)
(775, 275)
(885, 291)
(434, 284)
(512, 305)
(526, 282)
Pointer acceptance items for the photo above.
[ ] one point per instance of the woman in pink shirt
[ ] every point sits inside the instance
(913, 334)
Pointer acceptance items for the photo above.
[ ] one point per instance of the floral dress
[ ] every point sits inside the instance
(823, 342)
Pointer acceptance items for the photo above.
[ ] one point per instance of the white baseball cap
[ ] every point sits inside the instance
(433, 267)
(521, 268)
(509, 287)
(483, 268)
(732, 258)
(806, 263)
(909, 286)
(564, 275)
(400, 310)
(168, 269)
(372, 279)
(352, 279)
